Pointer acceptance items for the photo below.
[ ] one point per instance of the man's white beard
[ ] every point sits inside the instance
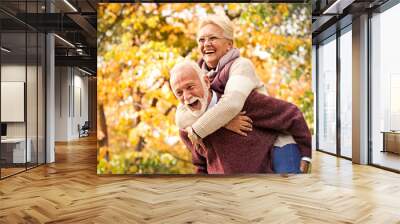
(203, 102)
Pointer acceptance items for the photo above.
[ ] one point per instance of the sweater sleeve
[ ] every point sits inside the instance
(198, 160)
(242, 80)
(183, 117)
(274, 114)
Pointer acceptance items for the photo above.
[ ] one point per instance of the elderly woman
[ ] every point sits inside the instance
(215, 39)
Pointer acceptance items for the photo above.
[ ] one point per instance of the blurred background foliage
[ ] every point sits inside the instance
(139, 43)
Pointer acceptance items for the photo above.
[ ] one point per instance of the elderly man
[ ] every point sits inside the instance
(224, 151)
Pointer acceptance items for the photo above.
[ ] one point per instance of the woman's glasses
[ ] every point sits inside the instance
(211, 39)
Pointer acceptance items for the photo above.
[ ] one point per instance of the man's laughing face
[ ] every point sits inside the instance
(190, 90)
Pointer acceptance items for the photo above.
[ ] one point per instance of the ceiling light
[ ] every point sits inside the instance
(64, 40)
(86, 72)
(5, 49)
(337, 7)
(70, 5)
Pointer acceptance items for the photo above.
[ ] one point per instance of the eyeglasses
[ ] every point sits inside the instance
(211, 39)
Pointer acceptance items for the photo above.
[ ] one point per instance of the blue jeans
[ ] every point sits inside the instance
(286, 159)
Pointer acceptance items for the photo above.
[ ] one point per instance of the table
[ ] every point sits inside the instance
(16, 147)
(391, 141)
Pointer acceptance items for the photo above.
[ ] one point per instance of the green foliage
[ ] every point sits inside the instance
(141, 163)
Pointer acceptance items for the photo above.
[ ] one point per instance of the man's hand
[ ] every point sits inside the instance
(304, 165)
(240, 124)
(194, 139)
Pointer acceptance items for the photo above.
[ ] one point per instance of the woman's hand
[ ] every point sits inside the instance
(195, 139)
(240, 124)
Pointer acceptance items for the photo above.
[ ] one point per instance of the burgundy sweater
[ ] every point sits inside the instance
(229, 153)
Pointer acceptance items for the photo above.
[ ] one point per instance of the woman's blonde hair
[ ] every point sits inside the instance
(221, 21)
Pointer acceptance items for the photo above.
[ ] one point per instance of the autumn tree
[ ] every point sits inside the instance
(139, 43)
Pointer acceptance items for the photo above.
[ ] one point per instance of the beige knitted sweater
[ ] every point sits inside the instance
(242, 80)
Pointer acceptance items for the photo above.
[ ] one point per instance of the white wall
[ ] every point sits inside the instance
(12, 73)
(71, 94)
(34, 124)
(80, 114)
(61, 103)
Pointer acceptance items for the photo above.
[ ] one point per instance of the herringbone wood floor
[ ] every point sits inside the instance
(69, 191)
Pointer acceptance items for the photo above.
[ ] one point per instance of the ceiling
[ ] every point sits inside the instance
(328, 16)
(74, 22)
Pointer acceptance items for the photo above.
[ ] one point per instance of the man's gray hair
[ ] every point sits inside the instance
(221, 21)
(186, 63)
